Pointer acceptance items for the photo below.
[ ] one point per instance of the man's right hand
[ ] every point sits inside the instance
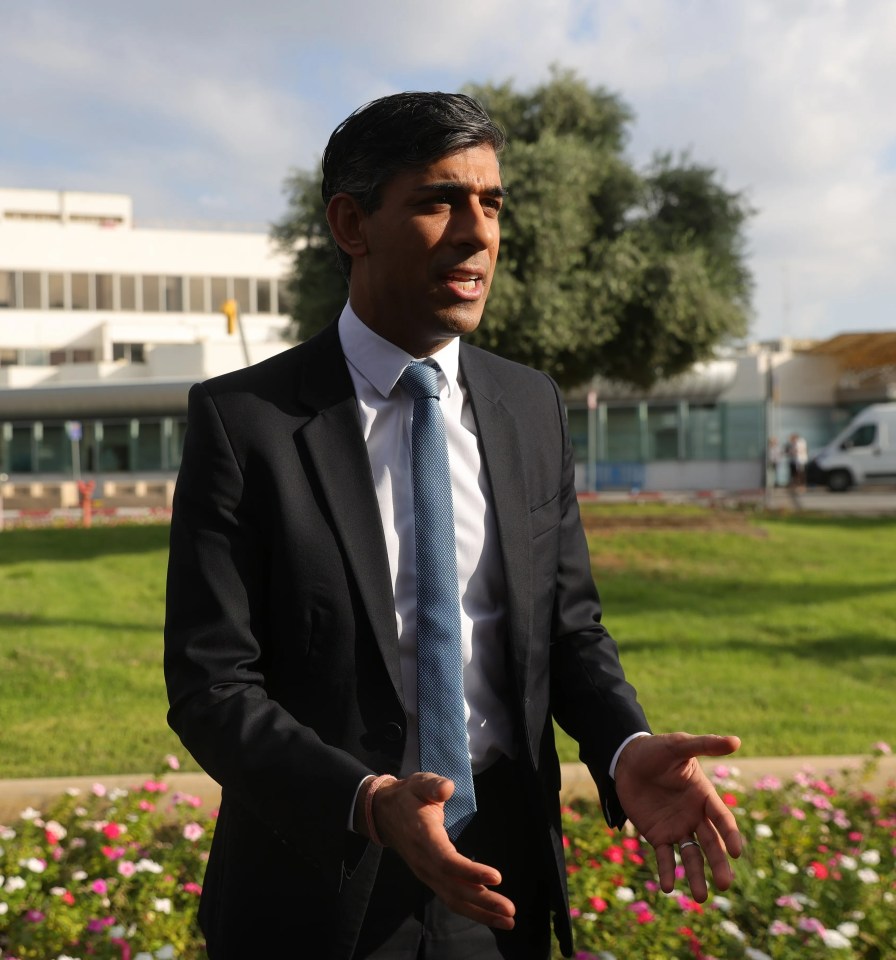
(409, 817)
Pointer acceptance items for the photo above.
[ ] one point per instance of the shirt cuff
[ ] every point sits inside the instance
(351, 810)
(622, 746)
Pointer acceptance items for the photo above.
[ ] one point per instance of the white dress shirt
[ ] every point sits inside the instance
(386, 411)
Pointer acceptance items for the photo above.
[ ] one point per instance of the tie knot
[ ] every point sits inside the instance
(420, 379)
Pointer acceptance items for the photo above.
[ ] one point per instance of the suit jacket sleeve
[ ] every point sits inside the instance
(215, 662)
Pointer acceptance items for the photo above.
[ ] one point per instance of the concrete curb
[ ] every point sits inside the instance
(16, 795)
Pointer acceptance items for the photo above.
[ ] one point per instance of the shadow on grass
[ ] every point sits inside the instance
(29, 620)
(61, 544)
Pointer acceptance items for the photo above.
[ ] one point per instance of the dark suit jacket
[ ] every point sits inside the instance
(281, 647)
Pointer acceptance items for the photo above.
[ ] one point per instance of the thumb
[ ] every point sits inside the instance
(712, 745)
(432, 788)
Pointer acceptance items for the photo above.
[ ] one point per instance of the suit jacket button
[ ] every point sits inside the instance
(393, 732)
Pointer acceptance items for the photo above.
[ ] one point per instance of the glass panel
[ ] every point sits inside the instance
(82, 355)
(863, 436)
(58, 357)
(282, 304)
(7, 289)
(104, 292)
(8, 357)
(54, 454)
(662, 433)
(19, 451)
(174, 294)
(623, 434)
(744, 431)
(56, 291)
(31, 291)
(219, 292)
(263, 296)
(578, 432)
(115, 447)
(176, 441)
(128, 293)
(151, 294)
(241, 293)
(197, 295)
(80, 291)
(704, 439)
(34, 357)
(149, 446)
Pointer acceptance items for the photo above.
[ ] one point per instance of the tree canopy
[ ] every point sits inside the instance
(630, 274)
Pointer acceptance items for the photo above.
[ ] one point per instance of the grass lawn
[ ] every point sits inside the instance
(777, 628)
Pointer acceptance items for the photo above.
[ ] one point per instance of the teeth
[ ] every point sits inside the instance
(467, 284)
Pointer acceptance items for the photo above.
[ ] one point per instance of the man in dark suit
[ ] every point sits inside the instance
(291, 633)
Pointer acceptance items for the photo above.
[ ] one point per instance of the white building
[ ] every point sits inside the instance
(105, 324)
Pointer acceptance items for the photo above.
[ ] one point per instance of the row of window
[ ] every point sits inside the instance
(135, 445)
(148, 293)
(41, 357)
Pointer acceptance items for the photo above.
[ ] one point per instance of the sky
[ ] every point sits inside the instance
(199, 109)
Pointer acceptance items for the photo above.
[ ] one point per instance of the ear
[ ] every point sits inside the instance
(346, 219)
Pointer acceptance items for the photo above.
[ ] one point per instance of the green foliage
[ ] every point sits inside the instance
(604, 269)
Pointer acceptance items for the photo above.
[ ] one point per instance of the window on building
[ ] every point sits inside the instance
(744, 431)
(197, 295)
(31, 291)
(7, 289)
(115, 447)
(704, 435)
(623, 434)
(174, 294)
(80, 291)
(56, 291)
(34, 357)
(131, 352)
(127, 287)
(263, 296)
(151, 302)
(662, 433)
(282, 297)
(105, 296)
(82, 355)
(241, 294)
(148, 447)
(219, 292)
(18, 450)
(8, 357)
(52, 449)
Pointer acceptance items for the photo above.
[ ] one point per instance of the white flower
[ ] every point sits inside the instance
(13, 884)
(57, 891)
(789, 867)
(117, 931)
(148, 866)
(871, 857)
(763, 830)
(888, 896)
(625, 894)
(868, 875)
(732, 929)
(79, 875)
(143, 955)
(29, 813)
(723, 903)
(4, 907)
(65, 956)
(834, 939)
(848, 928)
(751, 953)
(165, 953)
(73, 791)
(56, 829)
(117, 793)
(848, 863)
(162, 905)
(7, 833)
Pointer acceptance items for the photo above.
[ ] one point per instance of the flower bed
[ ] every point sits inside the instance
(115, 875)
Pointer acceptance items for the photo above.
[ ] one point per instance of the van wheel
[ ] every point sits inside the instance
(839, 481)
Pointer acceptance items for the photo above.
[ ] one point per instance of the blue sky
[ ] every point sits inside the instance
(199, 108)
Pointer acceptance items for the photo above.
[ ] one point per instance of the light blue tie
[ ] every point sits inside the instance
(444, 747)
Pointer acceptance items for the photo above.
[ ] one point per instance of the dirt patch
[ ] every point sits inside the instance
(711, 520)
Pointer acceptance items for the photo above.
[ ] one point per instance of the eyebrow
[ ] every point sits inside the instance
(453, 186)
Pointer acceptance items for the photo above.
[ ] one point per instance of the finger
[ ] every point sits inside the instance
(724, 824)
(665, 865)
(692, 861)
(708, 745)
(482, 905)
(716, 856)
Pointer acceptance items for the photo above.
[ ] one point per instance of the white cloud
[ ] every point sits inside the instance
(199, 108)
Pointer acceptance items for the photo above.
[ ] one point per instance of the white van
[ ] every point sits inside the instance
(864, 452)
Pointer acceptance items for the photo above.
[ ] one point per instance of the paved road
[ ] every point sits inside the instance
(880, 501)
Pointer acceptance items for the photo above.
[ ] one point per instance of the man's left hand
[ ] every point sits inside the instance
(670, 800)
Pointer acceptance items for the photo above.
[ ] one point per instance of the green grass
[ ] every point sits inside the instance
(777, 628)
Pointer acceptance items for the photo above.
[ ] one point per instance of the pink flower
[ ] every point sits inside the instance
(599, 904)
(126, 868)
(113, 831)
(729, 799)
(147, 806)
(811, 925)
(98, 790)
(768, 783)
(779, 928)
(155, 786)
(68, 898)
(615, 854)
(191, 887)
(689, 905)
(882, 748)
(818, 870)
(172, 762)
(35, 916)
(100, 887)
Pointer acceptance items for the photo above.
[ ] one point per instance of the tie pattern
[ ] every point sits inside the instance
(444, 747)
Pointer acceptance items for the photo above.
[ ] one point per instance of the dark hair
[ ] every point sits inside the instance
(395, 133)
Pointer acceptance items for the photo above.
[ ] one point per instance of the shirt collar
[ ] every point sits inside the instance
(380, 362)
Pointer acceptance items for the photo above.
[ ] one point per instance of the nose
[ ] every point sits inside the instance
(474, 226)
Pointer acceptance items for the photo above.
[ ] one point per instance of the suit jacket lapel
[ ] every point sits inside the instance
(336, 447)
(500, 451)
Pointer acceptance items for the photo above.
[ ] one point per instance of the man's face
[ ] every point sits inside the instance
(428, 252)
